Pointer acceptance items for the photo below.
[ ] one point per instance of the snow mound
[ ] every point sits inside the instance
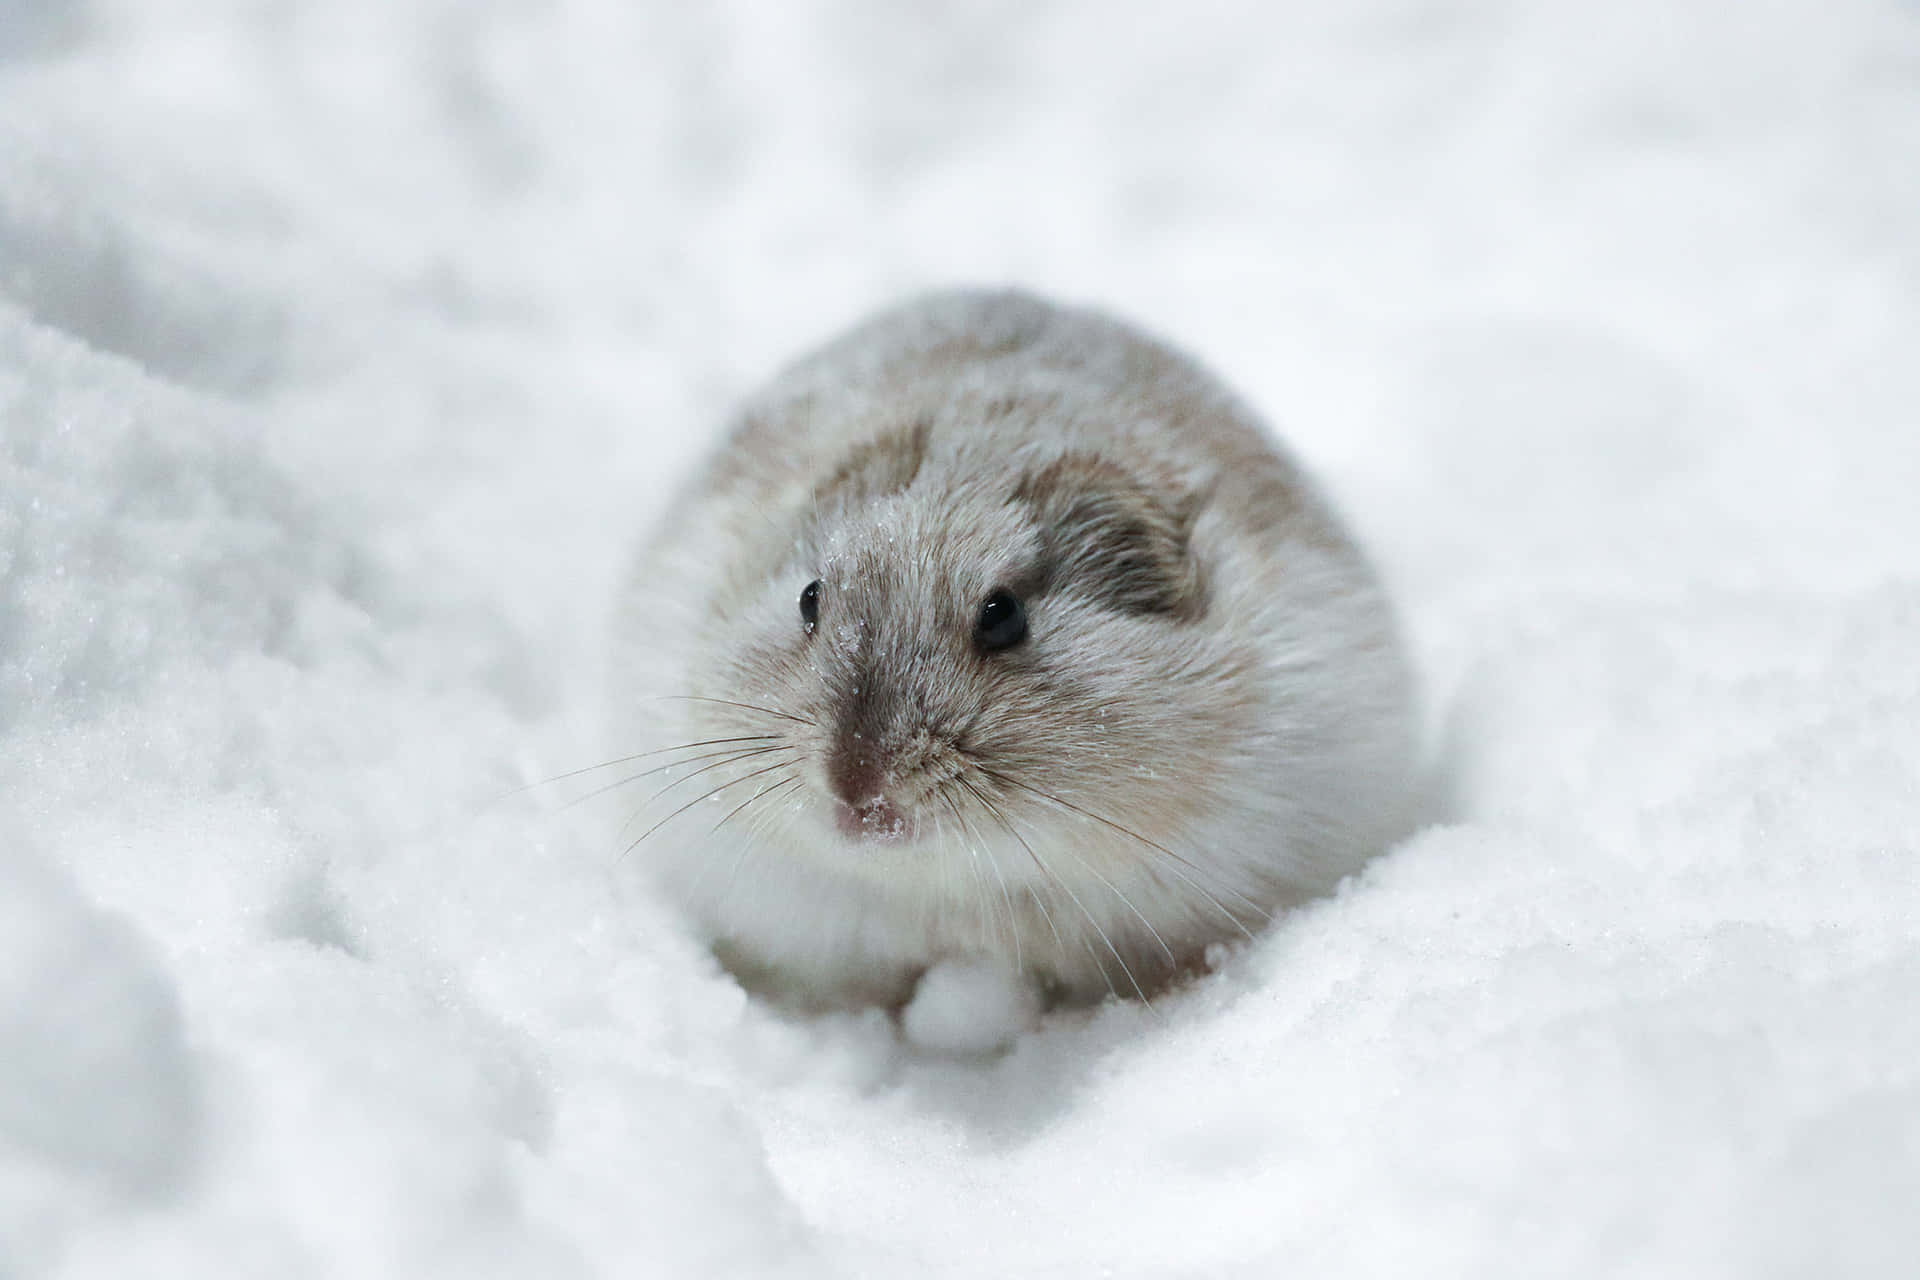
(345, 346)
(99, 1095)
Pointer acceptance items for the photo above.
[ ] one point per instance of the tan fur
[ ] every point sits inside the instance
(1208, 721)
(877, 467)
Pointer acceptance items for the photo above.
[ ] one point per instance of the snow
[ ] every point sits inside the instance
(345, 345)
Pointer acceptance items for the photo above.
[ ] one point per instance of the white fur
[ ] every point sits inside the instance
(967, 1007)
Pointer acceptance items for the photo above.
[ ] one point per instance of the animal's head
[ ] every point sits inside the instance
(951, 656)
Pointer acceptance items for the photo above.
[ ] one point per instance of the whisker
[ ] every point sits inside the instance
(1259, 911)
(1172, 961)
(1006, 896)
(724, 702)
(731, 782)
(1137, 988)
(693, 890)
(748, 753)
(752, 843)
(735, 753)
(987, 927)
(747, 846)
(1266, 917)
(619, 760)
(771, 787)
(1100, 963)
(975, 848)
(651, 800)
(1045, 871)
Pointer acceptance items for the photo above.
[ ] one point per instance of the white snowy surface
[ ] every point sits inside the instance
(345, 345)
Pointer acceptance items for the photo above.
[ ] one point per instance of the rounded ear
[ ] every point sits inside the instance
(875, 468)
(1109, 536)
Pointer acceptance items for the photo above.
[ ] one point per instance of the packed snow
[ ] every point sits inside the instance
(346, 345)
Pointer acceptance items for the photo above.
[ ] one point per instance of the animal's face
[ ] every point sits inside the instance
(944, 663)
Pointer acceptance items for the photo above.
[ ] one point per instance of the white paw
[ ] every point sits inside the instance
(969, 1007)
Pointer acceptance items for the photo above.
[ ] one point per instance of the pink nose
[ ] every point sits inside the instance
(875, 819)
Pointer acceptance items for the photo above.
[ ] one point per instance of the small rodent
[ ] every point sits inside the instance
(999, 633)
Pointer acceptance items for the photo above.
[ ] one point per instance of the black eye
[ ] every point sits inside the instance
(810, 605)
(1003, 622)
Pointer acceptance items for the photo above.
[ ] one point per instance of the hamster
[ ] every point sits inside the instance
(999, 633)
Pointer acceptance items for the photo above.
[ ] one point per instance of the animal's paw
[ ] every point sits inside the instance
(969, 1007)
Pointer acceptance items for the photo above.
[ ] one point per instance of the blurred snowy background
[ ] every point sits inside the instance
(345, 344)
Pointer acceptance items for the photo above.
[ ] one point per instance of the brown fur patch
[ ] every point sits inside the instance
(1112, 537)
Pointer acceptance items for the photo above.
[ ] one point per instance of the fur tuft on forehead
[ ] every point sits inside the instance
(1108, 535)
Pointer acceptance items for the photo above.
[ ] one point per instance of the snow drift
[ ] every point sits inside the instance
(345, 346)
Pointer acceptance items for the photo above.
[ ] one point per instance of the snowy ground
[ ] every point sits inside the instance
(344, 344)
